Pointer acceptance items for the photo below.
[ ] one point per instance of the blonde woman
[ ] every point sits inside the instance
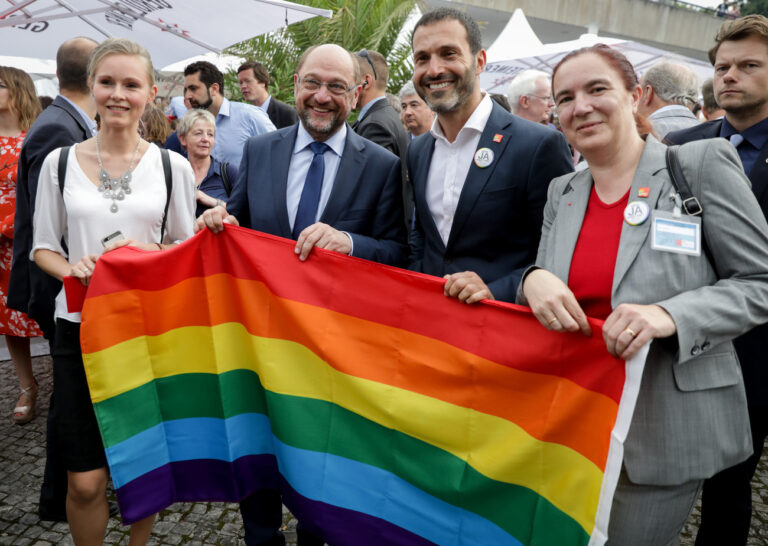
(114, 187)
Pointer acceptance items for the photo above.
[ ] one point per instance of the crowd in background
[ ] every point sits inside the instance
(559, 195)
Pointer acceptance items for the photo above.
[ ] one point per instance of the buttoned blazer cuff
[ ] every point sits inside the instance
(520, 298)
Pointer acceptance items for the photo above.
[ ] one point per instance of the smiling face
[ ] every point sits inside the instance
(322, 113)
(595, 109)
(741, 79)
(199, 139)
(445, 70)
(121, 90)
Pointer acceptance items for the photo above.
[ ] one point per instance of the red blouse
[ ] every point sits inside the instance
(594, 258)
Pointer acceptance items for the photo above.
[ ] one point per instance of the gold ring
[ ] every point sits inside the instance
(631, 332)
(550, 321)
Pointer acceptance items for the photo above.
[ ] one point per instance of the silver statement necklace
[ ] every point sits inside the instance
(115, 188)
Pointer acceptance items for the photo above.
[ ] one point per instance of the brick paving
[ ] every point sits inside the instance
(22, 451)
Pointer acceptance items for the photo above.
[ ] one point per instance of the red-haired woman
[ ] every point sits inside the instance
(631, 254)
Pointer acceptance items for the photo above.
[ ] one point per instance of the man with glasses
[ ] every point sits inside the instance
(322, 184)
(530, 95)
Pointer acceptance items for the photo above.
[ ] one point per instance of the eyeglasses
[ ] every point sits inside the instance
(334, 88)
(364, 54)
(545, 99)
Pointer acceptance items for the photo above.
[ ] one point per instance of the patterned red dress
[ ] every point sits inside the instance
(14, 323)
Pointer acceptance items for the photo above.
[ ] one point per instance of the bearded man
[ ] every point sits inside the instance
(480, 175)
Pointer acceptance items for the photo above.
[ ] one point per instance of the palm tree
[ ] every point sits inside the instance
(356, 24)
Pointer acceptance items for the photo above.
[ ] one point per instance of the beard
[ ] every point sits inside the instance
(319, 131)
(443, 102)
(746, 107)
(202, 105)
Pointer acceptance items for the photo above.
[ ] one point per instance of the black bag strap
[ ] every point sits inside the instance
(690, 203)
(225, 178)
(63, 158)
(168, 186)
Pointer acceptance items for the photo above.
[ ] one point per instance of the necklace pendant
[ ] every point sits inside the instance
(113, 208)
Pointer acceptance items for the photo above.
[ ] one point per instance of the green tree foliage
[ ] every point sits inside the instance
(759, 7)
(356, 24)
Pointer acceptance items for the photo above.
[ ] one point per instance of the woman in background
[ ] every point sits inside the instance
(19, 106)
(197, 133)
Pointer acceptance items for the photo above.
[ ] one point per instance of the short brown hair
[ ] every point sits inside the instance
(738, 29)
(21, 96)
(379, 63)
(259, 71)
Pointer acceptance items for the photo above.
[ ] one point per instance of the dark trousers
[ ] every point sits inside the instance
(53, 492)
(262, 518)
(726, 502)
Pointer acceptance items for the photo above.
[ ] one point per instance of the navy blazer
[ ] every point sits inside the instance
(752, 346)
(30, 289)
(497, 225)
(365, 200)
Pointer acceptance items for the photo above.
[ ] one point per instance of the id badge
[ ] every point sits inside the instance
(680, 234)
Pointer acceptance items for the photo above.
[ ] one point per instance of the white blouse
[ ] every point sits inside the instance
(83, 217)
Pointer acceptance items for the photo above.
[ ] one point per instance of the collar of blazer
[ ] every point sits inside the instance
(351, 167)
(572, 205)
(62, 103)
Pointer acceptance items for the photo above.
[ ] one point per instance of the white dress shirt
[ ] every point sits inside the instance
(300, 162)
(450, 164)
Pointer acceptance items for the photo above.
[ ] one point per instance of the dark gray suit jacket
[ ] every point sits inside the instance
(691, 417)
(281, 114)
(30, 289)
(382, 125)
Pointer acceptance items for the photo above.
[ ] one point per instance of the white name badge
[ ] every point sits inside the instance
(680, 234)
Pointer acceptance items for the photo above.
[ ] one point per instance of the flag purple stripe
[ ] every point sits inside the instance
(210, 479)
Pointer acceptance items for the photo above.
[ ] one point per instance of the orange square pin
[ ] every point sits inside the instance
(643, 192)
(498, 137)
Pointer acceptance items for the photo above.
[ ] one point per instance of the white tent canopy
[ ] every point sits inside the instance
(513, 60)
(517, 36)
(170, 29)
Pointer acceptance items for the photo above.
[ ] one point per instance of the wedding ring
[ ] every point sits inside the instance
(552, 320)
(631, 332)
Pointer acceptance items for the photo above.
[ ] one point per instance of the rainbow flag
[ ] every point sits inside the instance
(385, 412)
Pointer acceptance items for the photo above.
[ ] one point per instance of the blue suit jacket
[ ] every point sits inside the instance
(365, 202)
(30, 289)
(497, 225)
(752, 346)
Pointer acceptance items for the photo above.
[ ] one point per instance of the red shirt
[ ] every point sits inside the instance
(594, 258)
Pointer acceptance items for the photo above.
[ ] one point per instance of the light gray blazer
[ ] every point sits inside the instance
(666, 121)
(691, 415)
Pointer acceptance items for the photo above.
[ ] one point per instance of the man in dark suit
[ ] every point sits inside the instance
(68, 120)
(378, 121)
(740, 58)
(322, 184)
(480, 176)
(253, 78)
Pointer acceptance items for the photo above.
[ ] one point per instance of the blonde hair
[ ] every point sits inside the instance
(120, 46)
(21, 95)
(191, 117)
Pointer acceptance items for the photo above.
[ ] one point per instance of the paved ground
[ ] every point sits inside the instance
(21, 468)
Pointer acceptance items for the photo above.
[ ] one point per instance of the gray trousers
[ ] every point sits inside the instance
(650, 515)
